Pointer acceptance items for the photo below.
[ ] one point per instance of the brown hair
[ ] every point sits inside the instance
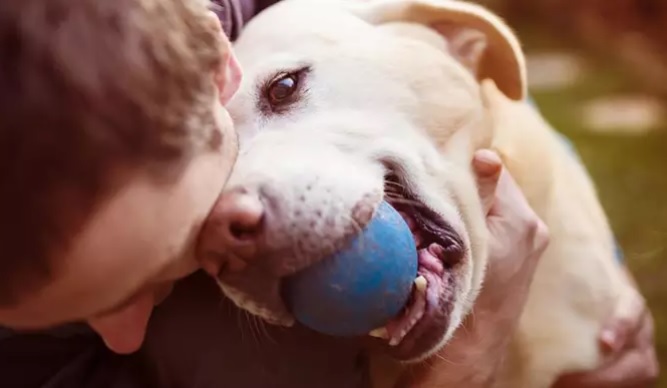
(89, 88)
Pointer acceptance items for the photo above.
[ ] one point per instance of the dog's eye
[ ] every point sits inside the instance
(282, 88)
(283, 91)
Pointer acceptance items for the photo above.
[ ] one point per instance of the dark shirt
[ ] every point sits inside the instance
(195, 339)
(198, 339)
(234, 13)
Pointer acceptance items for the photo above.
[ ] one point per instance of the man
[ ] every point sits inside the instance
(115, 146)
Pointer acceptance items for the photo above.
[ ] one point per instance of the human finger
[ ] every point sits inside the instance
(488, 167)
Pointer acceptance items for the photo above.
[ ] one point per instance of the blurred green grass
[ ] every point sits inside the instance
(630, 170)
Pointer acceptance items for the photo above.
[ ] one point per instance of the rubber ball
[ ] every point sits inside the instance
(361, 287)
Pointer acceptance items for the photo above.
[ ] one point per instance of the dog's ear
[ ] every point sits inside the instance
(476, 37)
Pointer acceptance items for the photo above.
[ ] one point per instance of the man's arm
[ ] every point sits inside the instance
(628, 342)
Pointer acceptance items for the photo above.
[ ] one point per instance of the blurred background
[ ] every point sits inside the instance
(598, 72)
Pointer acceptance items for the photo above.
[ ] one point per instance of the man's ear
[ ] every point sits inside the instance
(474, 36)
(228, 76)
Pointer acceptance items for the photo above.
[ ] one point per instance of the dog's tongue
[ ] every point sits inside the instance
(123, 331)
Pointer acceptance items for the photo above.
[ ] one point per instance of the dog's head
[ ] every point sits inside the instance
(345, 104)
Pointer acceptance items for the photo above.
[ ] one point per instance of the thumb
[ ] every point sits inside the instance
(625, 322)
(487, 167)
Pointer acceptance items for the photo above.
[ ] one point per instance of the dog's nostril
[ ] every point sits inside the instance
(245, 216)
(241, 231)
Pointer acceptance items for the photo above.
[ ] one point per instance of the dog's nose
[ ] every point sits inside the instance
(242, 214)
(232, 232)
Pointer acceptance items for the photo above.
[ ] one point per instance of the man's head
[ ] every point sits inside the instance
(113, 147)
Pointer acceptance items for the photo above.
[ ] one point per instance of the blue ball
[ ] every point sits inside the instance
(361, 287)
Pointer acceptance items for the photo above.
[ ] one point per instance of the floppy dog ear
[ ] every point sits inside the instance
(476, 37)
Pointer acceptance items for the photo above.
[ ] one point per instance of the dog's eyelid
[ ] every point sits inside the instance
(300, 70)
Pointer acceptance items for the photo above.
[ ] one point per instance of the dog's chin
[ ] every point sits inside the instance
(423, 326)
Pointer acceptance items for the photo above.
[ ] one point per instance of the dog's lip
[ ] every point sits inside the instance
(429, 330)
(446, 248)
(426, 224)
(427, 314)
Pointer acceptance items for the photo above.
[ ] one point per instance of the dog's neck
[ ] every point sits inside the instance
(522, 139)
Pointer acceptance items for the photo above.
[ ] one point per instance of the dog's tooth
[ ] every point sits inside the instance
(421, 283)
(380, 332)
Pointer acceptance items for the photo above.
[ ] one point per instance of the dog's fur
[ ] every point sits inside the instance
(407, 84)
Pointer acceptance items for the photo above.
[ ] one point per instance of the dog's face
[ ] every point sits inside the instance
(336, 113)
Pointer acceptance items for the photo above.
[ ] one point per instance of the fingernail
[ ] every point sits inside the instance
(487, 162)
(609, 338)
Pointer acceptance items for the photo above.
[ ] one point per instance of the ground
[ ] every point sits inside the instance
(622, 138)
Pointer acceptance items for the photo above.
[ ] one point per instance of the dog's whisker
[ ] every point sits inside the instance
(257, 323)
(446, 360)
(355, 225)
(394, 193)
(239, 322)
(250, 320)
(263, 325)
(394, 185)
(357, 228)
(406, 201)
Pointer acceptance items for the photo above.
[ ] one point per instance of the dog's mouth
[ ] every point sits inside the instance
(424, 321)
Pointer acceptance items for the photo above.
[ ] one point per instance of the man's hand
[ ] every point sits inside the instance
(630, 352)
(517, 240)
